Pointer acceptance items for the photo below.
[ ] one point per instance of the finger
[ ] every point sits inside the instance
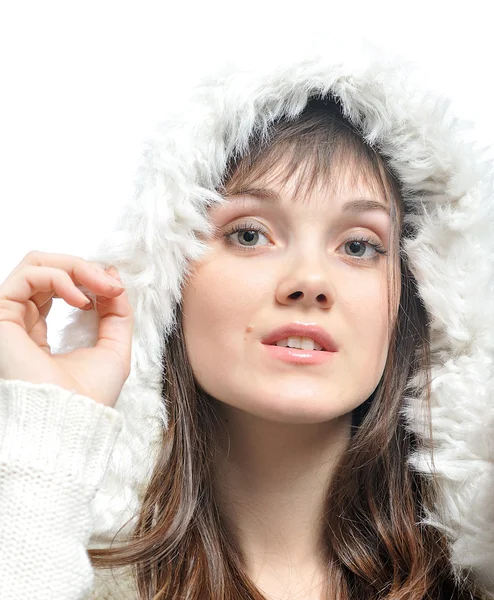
(45, 308)
(87, 279)
(116, 326)
(40, 283)
(79, 269)
(18, 289)
(90, 299)
(84, 290)
(51, 259)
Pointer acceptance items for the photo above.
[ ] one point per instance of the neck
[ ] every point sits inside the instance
(271, 482)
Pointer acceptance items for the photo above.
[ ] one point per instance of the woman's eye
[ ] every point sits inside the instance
(358, 247)
(246, 237)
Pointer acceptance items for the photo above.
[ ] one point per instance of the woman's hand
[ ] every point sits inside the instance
(26, 297)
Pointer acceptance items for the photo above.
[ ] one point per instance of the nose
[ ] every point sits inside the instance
(306, 287)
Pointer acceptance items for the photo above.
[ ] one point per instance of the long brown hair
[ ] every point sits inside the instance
(376, 546)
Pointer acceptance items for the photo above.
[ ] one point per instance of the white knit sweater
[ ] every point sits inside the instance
(54, 450)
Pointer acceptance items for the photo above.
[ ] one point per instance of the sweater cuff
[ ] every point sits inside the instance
(56, 430)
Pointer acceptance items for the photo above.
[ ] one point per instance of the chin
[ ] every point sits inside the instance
(291, 413)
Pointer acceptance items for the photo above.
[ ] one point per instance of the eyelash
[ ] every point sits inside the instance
(379, 248)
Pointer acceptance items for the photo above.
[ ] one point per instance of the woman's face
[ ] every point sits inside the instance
(302, 267)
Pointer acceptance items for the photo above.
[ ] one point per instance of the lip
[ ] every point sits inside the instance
(296, 355)
(318, 334)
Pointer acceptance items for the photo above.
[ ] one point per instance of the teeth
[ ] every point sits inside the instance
(303, 343)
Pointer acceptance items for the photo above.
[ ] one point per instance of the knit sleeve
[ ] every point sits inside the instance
(54, 450)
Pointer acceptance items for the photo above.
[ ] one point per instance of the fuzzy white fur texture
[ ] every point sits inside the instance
(446, 179)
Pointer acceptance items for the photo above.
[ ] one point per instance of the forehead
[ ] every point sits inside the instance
(347, 187)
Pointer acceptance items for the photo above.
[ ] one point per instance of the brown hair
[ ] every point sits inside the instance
(376, 545)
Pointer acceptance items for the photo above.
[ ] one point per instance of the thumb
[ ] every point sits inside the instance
(116, 323)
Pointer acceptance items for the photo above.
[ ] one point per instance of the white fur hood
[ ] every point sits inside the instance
(452, 258)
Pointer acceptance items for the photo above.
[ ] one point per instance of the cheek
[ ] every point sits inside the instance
(217, 305)
(202, 306)
(366, 314)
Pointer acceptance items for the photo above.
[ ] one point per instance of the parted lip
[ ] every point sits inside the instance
(318, 334)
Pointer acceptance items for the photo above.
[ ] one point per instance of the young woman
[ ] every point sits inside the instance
(288, 397)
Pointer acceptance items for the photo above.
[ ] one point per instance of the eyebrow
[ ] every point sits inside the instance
(271, 197)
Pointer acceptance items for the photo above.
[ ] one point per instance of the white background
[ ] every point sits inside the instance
(82, 84)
